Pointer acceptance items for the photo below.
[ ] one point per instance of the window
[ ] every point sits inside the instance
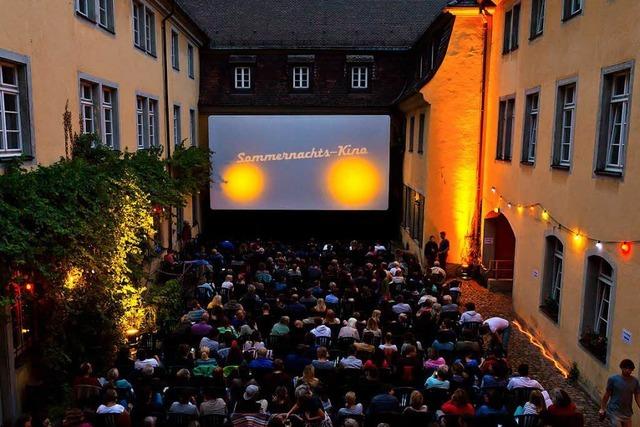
(537, 17)
(359, 77)
(190, 63)
(300, 77)
(97, 11)
(511, 27)
(565, 124)
(146, 124)
(530, 134)
(571, 9)
(242, 79)
(552, 280)
(413, 215)
(421, 130)
(505, 129)
(11, 110)
(144, 28)
(412, 129)
(175, 50)
(177, 126)
(23, 319)
(192, 127)
(596, 320)
(614, 121)
(98, 108)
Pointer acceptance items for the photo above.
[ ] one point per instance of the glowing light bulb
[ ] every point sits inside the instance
(520, 209)
(599, 245)
(496, 210)
(509, 205)
(625, 248)
(577, 236)
(545, 215)
(493, 189)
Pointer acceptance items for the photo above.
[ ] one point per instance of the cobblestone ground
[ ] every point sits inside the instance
(522, 351)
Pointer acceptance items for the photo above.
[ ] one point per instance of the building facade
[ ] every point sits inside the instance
(104, 59)
(560, 174)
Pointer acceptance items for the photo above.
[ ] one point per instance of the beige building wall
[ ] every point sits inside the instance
(604, 34)
(60, 47)
(446, 173)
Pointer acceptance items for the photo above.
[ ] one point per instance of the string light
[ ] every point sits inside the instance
(624, 246)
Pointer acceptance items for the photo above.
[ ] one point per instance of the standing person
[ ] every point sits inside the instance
(622, 389)
(500, 328)
(431, 251)
(443, 250)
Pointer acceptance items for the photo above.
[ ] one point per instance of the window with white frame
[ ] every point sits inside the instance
(530, 134)
(511, 29)
(301, 77)
(98, 109)
(146, 124)
(14, 112)
(359, 77)
(175, 50)
(565, 125)
(190, 61)
(144, 28)
(552, 282)
(571, 8)
(193, 127)
(597, 310)
(177, 125)
(100, 12)
(537, 17)
(614, 121)
(242, 78)
(506, 111)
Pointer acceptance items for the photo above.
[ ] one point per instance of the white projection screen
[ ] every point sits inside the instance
(300, 162)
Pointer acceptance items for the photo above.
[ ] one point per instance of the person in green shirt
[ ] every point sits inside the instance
(282, 327)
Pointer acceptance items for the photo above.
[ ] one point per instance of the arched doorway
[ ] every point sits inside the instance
(498, 251)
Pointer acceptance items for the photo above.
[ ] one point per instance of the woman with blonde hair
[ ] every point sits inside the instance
(320, 309)
(372, 326)
(534, 406)
(416, 403)
(308, 377)
(216, 301)
(350, 330)
(330, 318)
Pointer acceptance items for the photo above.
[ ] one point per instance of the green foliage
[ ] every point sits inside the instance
(78, 228)
(168, 300)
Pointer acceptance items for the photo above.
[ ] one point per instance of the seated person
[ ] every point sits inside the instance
(350, 330)
(249, 403)
(204, 359)
(534, 406)
(562, 404)
(447, 305)
(351, 362)
(433, 361)
(144, 358)
(322, 362)
(110, 405)
(400, 306)
(350, 406)
(458, 404)
(416, 404)
(383, 402)
(213, 403)
(86, 376)
(261, 361)
(470, 314)
(438, 379)
(282, 327)
(493, 405)
(320, 329)
(210, 341)
(522, 380)
(184, 405)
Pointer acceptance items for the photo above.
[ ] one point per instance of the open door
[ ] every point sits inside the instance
(498, 251)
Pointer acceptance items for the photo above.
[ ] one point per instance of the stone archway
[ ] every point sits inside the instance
(498, 251)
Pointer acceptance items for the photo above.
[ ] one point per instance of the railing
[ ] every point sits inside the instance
(500, 269)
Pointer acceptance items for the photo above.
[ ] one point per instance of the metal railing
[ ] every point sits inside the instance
(500, 269)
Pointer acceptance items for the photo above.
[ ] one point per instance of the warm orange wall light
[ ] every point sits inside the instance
(543, 350)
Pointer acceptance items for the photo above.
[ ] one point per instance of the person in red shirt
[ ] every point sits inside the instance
(86, 376)
(562, 404)
(458, 405)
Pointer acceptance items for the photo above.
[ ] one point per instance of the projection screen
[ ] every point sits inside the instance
(298, 162)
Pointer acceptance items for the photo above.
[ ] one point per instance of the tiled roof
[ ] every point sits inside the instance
(289, 24)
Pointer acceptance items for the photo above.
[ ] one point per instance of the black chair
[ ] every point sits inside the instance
(147, 341)
(212, 420)
(279, 344)
(449, 315)
(106, 420)
(528, 421)
(455, 421)
(180, 420)
(472, 327)
(403, 394)
(435, 397)
(323, 341)
(519, 396)
(345, 343)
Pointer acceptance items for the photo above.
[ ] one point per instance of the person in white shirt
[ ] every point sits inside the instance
(110, 406)
(522, 380)
(351, 362)
(470, 315)
(228, 282)
(145, 359)
(320, 330)
(400, 306)
(500, 328)
(437, 270)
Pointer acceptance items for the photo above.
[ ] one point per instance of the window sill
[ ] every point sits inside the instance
(561, 167)
(175, 68)
(532, 37)
(19, 156)
(550, 313)
(107, 29)
(504, 159)
(420, 152)
(527, 163)
(612, 174)
(85, 17)
(567, 18)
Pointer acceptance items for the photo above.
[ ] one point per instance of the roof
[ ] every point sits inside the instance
(306, 24)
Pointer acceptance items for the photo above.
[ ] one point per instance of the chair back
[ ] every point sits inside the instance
(403, 394)
(473, 327)
(530, 420)
(345, 343)
(106, 420)
(435, 397)
(323, 341)
(84, 394)
(179, 420)
(520, 395)
(212, 420)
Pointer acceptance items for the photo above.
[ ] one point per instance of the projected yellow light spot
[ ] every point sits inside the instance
(353, 181)
(243, 183)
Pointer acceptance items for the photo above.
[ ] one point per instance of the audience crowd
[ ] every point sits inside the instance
(312, 334)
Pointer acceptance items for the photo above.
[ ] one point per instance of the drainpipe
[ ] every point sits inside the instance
(480, 168)
(165, 83)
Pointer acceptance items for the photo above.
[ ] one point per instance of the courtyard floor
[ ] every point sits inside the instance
(522, 351)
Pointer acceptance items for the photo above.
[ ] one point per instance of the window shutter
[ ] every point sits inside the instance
(500, 142)
(509, 129)
(603, 132)
(507, 33)
(557, 134)
(515, 27)
(525, 133)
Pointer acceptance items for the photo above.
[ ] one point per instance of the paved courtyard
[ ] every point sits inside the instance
(522, 351)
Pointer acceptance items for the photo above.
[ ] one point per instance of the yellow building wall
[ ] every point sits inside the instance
(446, 174)
(605, 34)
